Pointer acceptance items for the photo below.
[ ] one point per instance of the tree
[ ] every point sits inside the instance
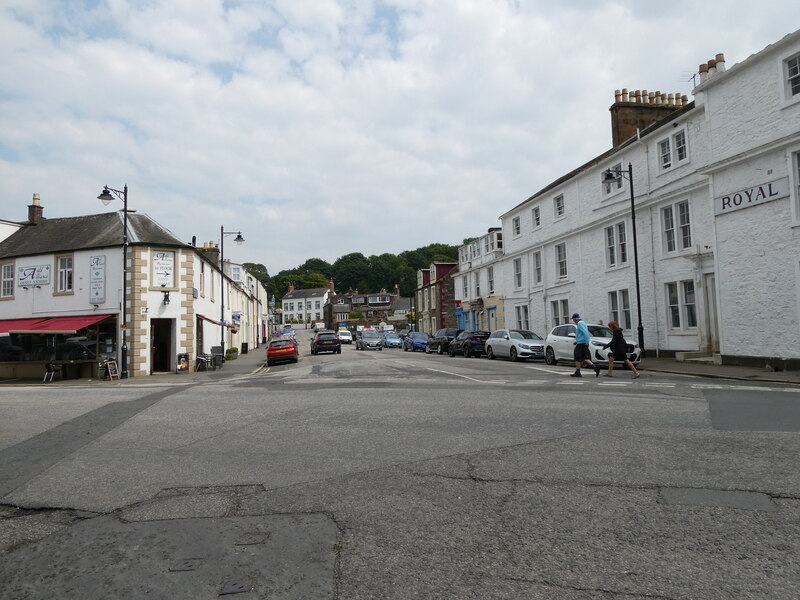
(350, 270)
(259, 271)
(316, 265)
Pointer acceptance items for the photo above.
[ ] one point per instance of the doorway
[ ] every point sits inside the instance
(161, 345)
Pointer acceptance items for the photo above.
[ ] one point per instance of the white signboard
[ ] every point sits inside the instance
(163, 269)
(765, 192)
(34, 275)
(97, 279)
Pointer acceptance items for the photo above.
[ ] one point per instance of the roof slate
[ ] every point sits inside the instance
(86, 232)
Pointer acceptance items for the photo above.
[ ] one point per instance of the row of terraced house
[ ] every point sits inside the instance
(693, 215)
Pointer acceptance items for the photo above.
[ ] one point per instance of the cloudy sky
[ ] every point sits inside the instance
(324, 127)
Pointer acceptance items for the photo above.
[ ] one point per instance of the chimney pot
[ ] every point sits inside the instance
(720, 59)
(35, 211)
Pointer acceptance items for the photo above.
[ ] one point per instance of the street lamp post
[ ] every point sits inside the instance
(239, 240)
(106, 197)
(608, 177)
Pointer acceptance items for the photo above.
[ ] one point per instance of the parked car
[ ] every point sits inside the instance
(326, 341)
(515, 344)
(284, 348)
(403, 333)
(439, 342)
(469, 343)
(560, 345)
(369, 339)
(415, 340)
(390, 339)
(345, 336)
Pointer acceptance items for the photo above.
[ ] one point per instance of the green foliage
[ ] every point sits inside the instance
(367, 275)
(356, 314)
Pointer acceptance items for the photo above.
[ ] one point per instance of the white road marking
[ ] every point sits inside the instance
(457, 375)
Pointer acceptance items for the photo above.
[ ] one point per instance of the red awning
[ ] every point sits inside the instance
(9, 325)
(214, 321)
(51, 324)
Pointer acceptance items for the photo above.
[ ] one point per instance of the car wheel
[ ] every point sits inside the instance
(489, 353)
(550, 356)
(439, 349)
(467, 352)
(451, 352)
(380, 347)
(339, 351)
(513, 355)
(405, 348)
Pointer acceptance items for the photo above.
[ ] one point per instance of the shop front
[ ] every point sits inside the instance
(76, 345)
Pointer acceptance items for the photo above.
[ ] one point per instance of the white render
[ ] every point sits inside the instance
(743, 266)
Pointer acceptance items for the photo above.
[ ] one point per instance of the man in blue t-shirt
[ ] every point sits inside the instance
(582, 354)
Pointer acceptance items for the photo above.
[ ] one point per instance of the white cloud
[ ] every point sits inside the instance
(324, 128)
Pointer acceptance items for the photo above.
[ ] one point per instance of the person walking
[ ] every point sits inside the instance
(619, 350)
(582, 354)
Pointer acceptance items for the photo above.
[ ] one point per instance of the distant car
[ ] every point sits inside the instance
(345, 336)
(560, 345)
(369, 339)
(403, 333)
(326, 341)
(415, 340)
(469, 343)
(282, 349)
(390, 339)
(439, 342)
(515, 344)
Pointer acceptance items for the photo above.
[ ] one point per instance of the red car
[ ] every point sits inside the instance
(284, 348)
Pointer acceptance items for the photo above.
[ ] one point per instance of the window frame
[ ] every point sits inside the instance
(517, 266)
(536, 217)
(516, 226)
(560, 253)
(523, 316)
(681, 303)
(616, 239)
(619, 307)
(537, 267)
(673, 150)
(615, 185)
(791, 73)
(559, 207)
(65, 277)
(560, 311)
(676, 227)
(490, 278)
(7, 281)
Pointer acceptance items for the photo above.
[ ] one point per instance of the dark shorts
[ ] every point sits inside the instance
(582, 352)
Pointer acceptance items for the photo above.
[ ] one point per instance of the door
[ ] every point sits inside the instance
(161, 345)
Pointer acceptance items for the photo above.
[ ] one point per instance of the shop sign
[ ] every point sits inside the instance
(33, 275)
(759, 194)
(97, 279)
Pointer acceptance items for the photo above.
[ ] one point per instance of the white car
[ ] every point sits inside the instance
(515, 344)
(345, 336)
(560, 345)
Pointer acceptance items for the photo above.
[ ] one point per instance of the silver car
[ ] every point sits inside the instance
(560, 345)
(515, 344)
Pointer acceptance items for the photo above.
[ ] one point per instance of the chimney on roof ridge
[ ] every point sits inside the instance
(35, 211)
(638, 109)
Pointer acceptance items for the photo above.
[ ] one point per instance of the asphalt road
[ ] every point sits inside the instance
(400, 475)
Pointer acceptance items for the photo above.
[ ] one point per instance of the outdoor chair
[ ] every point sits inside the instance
(50, 370)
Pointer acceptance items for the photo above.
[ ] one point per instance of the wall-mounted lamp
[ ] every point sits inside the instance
(166, 294)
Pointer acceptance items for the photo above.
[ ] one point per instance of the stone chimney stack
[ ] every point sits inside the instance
(35, 211)
(291, 288)
(639, 109)
(330, 287)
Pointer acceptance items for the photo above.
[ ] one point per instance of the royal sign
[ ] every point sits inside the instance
(766, 192)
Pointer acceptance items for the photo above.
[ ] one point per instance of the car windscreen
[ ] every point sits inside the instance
(370, 335)
(522, 334)
(326, 336)
(419, 335)
(600, 331)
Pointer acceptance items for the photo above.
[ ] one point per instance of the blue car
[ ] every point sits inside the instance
(415, 340)
(391, 340)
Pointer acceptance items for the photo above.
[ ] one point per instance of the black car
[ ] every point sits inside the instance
(326, 341)
(439, 342)
(469, 343)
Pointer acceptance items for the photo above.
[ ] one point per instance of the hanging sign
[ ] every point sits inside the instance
(97, 279)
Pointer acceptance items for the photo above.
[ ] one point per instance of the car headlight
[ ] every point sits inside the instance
(524, 347)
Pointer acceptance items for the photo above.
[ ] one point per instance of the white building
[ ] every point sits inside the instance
(717, 221)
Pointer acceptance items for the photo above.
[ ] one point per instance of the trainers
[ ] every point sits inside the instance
(597, 370)
(576, 374)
